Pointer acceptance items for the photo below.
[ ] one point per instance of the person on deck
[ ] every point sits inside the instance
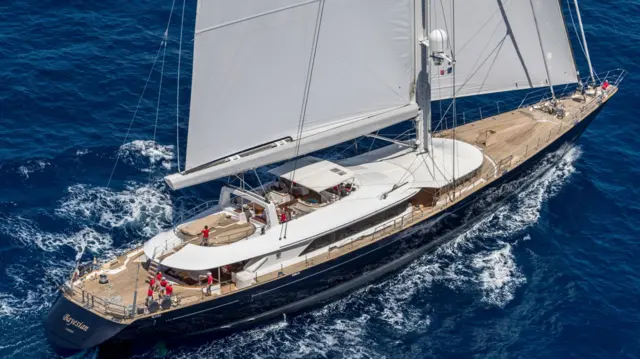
(209, 282)
(205, 236)
(163, 287)
(152, 283)
(149, 296)
(159, 276)
(169, 290)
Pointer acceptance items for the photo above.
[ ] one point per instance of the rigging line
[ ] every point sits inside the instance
(494, 62)
(374, 141)
(407, 171)
(135, 112)
(575, 29)
(444, 18)
(453, 76)
(497, 48)
(514, 42)
(348, 148)
(260, 182)
(544, 55)
(244, 183)
(178, 90)
(164, 54)
(585, 48)
(303, 110)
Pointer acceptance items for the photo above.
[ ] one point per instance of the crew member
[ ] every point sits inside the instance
(149, 296)
(169, 290)
(159, 276)
(205, 236)
(209, 282)
(152, 283)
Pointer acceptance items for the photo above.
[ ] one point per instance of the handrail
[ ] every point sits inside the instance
(97, 303)
(179, 218)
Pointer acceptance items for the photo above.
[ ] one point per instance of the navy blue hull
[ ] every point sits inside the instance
(72, 327)
(321, 283)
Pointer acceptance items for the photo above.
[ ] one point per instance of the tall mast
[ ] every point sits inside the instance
(422, 77)
(584, 41)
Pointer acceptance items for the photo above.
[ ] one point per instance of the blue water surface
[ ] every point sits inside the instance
(552, 274)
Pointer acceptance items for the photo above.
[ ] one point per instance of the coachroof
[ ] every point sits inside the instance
(314, 173)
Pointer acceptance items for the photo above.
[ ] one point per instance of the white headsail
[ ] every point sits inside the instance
(497, 46)
(252, 59)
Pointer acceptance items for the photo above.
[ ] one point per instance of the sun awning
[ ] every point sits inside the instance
(314, 173)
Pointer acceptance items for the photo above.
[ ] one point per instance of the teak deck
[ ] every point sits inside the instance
(506, 140)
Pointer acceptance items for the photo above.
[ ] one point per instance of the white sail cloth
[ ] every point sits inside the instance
(489, 57)
(252, 59)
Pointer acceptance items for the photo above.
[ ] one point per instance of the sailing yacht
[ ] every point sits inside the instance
(276, 81)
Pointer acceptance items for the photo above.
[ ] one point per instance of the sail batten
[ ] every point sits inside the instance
(498, 47)
(252, 57)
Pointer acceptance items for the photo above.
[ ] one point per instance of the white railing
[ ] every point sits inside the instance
(186, 214)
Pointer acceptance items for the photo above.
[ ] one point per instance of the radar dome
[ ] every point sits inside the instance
(438, 40)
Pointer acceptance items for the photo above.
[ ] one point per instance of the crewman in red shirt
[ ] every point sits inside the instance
(169, 290)
(163, 286)
(209, 282)
(152, 283)
(149, 295)
(159, 275)
(205, 236)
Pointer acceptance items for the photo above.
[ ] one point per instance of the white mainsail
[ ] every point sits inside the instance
(351, 65)
(490, 58)
(252, 59)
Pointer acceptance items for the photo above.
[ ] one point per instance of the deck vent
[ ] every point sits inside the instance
(338, 171)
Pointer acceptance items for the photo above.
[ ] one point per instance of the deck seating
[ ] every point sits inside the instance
(194, 228)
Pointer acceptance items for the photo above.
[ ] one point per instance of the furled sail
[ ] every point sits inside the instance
(252, 63)
(497, 47)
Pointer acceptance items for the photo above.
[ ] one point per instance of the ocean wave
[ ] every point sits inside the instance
(146, 154)
(146, 207)
(498, 275)
(27, 233)
(82, 152)
(33, 286)
(31, 167)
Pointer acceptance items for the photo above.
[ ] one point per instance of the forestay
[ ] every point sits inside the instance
(497, 46)
(252, 59)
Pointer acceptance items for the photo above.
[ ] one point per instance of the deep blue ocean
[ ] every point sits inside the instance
(554, 273)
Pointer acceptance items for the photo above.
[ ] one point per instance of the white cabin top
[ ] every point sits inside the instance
(313, 173)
